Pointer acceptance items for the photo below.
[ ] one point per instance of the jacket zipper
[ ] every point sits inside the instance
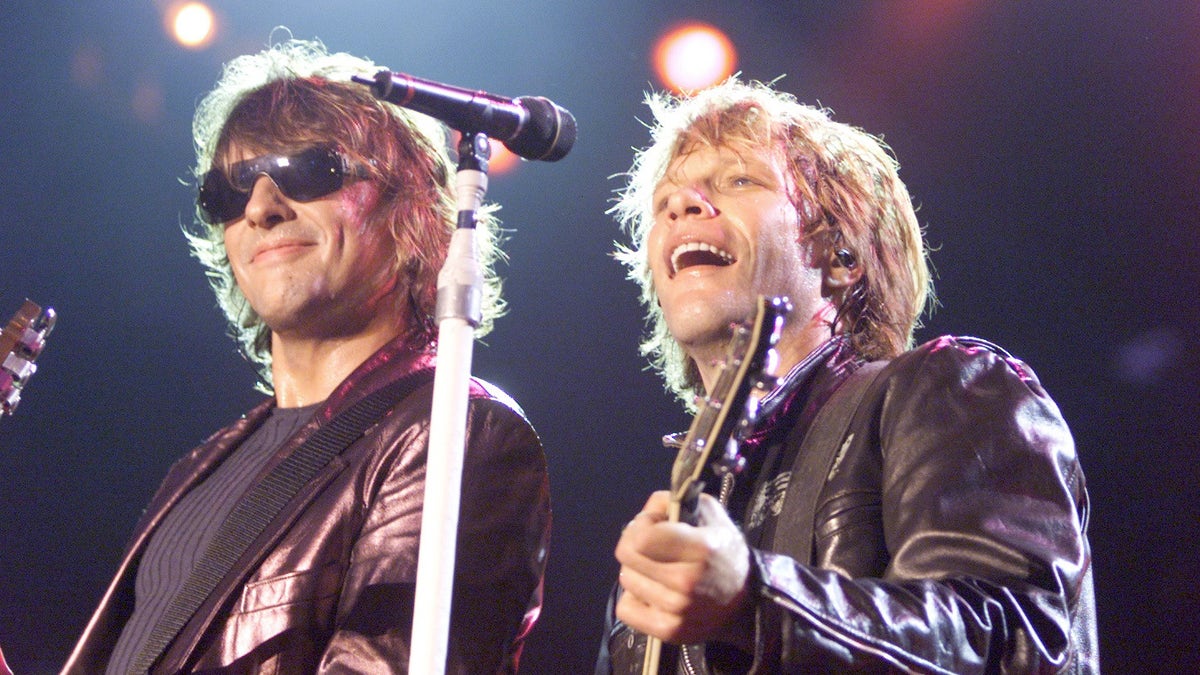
(687, 661)
(727, 481)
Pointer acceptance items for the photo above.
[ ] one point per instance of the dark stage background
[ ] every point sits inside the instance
(1053, 149)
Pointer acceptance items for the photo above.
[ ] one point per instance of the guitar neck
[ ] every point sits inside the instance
(746, 375)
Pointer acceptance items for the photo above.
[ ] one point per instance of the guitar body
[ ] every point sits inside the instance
(724, 417)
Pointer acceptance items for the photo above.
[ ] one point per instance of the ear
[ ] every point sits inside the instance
(841, 270)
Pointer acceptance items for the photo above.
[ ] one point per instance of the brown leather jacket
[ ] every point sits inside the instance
(949, 536)
(329, 586)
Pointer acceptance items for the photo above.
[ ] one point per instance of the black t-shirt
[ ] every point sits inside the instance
(191, 525)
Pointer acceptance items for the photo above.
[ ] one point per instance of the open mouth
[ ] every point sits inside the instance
(696, 253)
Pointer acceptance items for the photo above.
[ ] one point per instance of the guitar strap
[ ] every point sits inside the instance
(263, 502)
(825, 438)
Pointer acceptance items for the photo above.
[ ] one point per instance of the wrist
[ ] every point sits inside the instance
(740, 630)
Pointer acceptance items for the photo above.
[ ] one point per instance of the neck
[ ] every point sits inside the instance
(306, 370)
(798, 340)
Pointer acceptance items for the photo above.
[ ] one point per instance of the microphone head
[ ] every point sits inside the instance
(547, 134)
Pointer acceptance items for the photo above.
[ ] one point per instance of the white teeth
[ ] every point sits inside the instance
(697, 246)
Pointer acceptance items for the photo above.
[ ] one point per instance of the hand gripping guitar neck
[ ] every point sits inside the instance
(723, 418)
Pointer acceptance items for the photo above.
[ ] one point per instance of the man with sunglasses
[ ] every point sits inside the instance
(324, 218)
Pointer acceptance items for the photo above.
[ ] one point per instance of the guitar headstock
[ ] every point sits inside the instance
(729, 410)
(21, 342)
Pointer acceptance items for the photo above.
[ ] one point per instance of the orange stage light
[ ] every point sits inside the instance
(693, 56)
(502, 159)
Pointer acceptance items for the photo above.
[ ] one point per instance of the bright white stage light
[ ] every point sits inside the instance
(191, 24)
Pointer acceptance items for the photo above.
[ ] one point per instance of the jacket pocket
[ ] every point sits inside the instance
(286, 617)
(289, 589)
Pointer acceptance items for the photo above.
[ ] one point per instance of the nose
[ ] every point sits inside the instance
(688, 201)
(267, 206)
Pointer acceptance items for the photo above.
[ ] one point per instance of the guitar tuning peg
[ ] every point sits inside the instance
(10, 394)
(44, 323)
(731, 461)
(32, 343)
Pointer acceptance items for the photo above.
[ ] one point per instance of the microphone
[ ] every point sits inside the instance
(531, 126)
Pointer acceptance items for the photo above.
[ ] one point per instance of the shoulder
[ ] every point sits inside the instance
(956, 345)
(965, 385)
(496, 418)
(492, 401)
(484, 391)
(965, 392)
(411, 403)
(963, 360)
(505, 460)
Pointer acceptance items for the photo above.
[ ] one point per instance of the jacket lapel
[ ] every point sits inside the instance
(174, 659)
(391, 362)
(116, 604)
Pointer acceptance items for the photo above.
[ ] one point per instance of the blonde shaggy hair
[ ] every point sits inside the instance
(845, 186)
(296, 94)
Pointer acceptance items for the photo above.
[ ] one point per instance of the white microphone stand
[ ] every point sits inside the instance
(460, 292)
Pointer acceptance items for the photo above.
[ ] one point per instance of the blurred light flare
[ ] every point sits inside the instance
(191, 24)
(501, 161)
(1150, 356)
(694, 56)
(87, 66)
(148, 103)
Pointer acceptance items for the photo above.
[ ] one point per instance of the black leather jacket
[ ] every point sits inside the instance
(949, 536)
(329, 586)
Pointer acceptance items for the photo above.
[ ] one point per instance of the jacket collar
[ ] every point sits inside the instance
(834, 354)
(808, 384)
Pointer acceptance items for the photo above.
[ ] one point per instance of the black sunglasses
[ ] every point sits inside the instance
(304, 176)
